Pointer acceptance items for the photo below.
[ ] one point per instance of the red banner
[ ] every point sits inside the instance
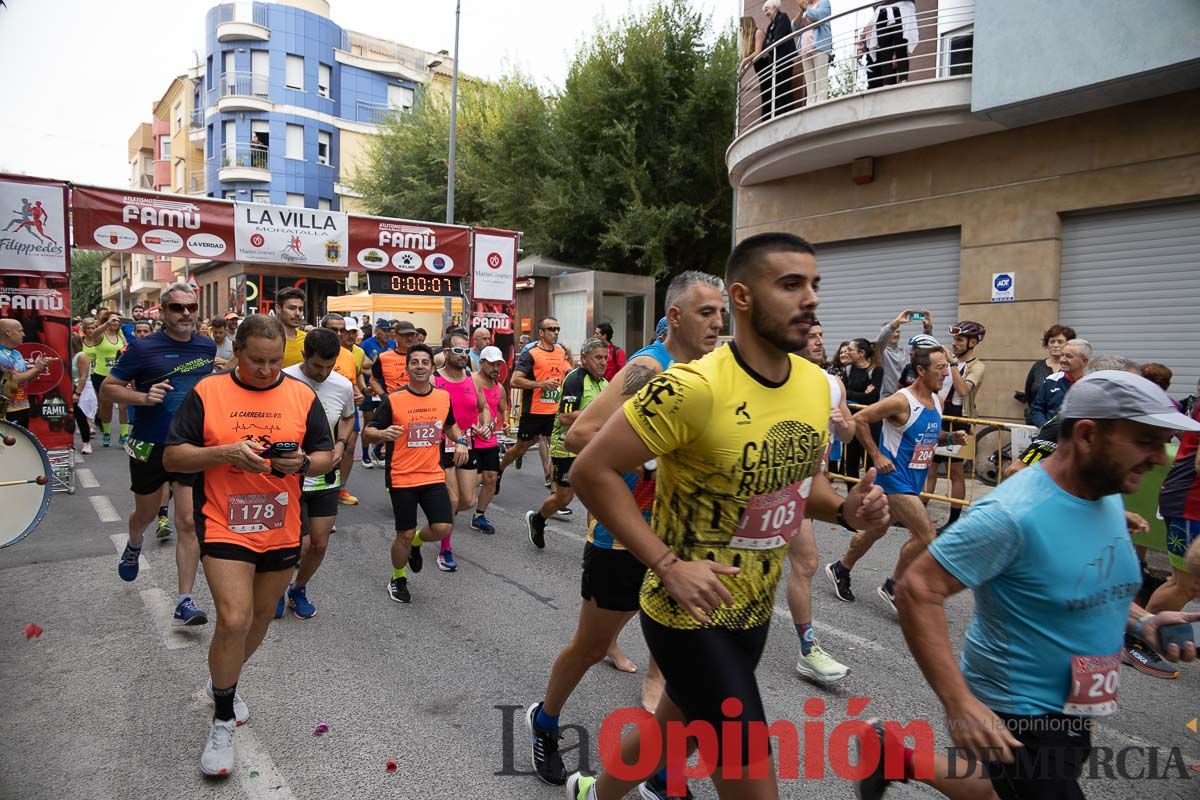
(155, 224)
(42, 304)
(404, 246)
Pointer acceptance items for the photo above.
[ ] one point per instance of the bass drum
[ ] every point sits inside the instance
(24, 483)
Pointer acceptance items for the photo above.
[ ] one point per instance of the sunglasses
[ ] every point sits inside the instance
(551, 330)
(179, 308)
(460, 351)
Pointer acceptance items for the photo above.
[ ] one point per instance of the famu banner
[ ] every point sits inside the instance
(119, 220)
(267, 234)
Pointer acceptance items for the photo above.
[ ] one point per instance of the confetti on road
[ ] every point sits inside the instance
(254, 773)
(391, 765)
(321, 729)
(32, 631)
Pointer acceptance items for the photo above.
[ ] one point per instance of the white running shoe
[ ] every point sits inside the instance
(241, 711)
(820, 666)
(218, 756)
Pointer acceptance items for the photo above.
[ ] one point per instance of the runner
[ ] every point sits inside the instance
(538, 374)
(411, 421)
(1048, 558)
(289, 309)
(579, 388)
(349, 366)
(109, 342)
(471, 414)
(155, 374)
(389, 371)
(612, 576)
(248, 436)
(958, 394)
(912, 429)
(481, 339)
(486, 447)
(738, 437)
(813, 662)
(372, 346)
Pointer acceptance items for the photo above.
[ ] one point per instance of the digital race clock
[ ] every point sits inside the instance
(426, 285)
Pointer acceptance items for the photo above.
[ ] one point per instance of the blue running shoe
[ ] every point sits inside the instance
(446, 562)
(105, 440)
(128, 568)
(279, 609)
(301, 607)
(186, 613)
(481, 523)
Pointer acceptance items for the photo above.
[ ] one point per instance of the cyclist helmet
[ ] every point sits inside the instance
(969, 329)
(923, 340)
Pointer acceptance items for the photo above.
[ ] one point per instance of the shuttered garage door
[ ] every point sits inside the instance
(1131, 285)
(867, 282)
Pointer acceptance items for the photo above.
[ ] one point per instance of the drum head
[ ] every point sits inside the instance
(24, 504)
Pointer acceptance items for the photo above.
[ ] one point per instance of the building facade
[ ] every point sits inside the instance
(1016, 177)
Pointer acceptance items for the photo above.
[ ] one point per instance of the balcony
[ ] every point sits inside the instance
(195, 184)
(381, 56)
(241, 21)
(243, 91)
(878, 96)
(144, 280)
(244, 162)
(373, 113)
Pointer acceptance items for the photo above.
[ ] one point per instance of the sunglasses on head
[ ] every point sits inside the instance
(179, 308)
(551, 330)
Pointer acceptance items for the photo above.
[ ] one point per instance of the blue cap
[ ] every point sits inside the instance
(660, 330)
(383, 325)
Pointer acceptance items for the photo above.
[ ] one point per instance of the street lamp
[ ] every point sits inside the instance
(453, 118)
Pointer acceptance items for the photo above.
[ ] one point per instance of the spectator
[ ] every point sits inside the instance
(889, 40)
(958, 400)
(1160, 375)
(892, 356)
(231, 323)
(816, 48)
(840, 365)
(83, 396)
(17, 373)
(1053, 340)
(774, 64)
(908, 375)
(421, 335)
(481, 338)
(1074, 360)
(523, 341)
(1190, 402)
(220, 335)
(204, 328)
(863, 382)
(616, 356)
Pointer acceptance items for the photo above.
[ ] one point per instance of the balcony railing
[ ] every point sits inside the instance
(197, 121)
(242, 12)
(245, 84)
(867, 54)
(195, 183)
(369, 47)
(239, 154)
(374, 113)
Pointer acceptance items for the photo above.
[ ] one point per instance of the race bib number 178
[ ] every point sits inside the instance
(256, 513)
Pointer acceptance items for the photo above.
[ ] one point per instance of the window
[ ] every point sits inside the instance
(164, 148)
(260, 71)
(295, 72)
(323, 139)
(260, 197)
(229, 194)
(323, 204)
(230, 143)
(324, 75)
(177, 117)
(208, 142)
(295, 200)
(400, 97)
(228, 61)
(295, 142)
(208, 75)
(181, 177)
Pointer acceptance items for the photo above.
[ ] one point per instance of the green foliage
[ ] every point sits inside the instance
(85, 280)
(623, 169)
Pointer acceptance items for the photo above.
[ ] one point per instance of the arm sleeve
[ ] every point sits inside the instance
(525, 364)
(885, 334)
(187, 426)
(383, 416)
(316, 428)
(572, 392)
(980, 546)
(671, 410)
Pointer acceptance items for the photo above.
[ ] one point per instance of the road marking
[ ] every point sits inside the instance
(162, 609)
(269, 783)
(104, 508)
(86, 478)
(119, 540)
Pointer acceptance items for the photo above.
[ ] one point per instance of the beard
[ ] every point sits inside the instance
(1103, 475)
(782, 337)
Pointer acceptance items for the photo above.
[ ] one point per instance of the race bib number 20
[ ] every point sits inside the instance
(772, 519)
(1094, 684)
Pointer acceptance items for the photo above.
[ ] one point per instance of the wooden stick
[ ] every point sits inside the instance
(40, 480)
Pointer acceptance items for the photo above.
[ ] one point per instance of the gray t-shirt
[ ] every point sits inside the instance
(893, 360)
(225, 349)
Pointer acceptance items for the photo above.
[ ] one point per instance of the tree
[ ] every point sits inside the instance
(85, 280)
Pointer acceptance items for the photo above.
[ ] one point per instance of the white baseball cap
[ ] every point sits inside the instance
(1116, 394)
(351, 324)
(491, 353)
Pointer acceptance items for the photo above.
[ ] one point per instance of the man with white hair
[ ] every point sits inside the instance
(1074, 361)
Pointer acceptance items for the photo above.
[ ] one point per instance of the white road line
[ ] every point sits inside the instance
(162, 608)
(104, 508)
(269, 783)
(86, 478)
(119, 540)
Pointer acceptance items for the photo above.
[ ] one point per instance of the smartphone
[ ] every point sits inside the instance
(1179, 634)
(916, 316)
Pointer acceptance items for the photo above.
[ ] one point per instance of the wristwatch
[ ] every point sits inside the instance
(841, 518)
(305, 461)
(344, 442)
(461, 440)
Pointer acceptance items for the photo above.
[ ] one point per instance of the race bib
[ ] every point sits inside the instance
(922, 455)
(549, 396)
(448, 445)
(256, 513)
(138, 450)
(424, 434)
(1094, 684)
(771, 520)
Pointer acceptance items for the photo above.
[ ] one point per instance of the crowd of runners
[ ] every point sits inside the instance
(702, 466)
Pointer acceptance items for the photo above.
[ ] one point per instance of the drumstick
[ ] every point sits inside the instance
(40, 480)
(9, 441)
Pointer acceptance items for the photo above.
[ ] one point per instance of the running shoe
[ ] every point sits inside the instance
(446, 562)
(86, 449)
(299, 603)
(105, 439)
(544, 748)
(655, 789)
(367, 462)
(398, 590)
(347, 499)
(547, 483)
(377, 455)
(518, 461)
(888, 595)
(579, 786)
(124, 439)
(875, 785)
(839, 576)
(415, 560)
(820, 666)
(564, 512)
(1144, 659)
(128, 568)
(165, 528)
(186, 613)
(241, 711)
(281, 607)
(217, 759)
(537, 529)
(480, 523)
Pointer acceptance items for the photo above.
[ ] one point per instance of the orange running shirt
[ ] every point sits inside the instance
(345, 366)
(257, 511)
(415, 459)
(391, 370)
(539, 364)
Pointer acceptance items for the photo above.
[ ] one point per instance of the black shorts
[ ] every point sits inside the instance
(560, 469)
(147, 477)
(1050, 763)
(268, 561)
(531, 426)
(729, 658)
(448, 460)
(433, 498)
(322, 503)
(487, 459)
(613, 578)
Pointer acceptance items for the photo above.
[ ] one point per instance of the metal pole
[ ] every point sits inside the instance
(453, 119)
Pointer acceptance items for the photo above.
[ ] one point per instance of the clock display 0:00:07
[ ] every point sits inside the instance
(447, 286)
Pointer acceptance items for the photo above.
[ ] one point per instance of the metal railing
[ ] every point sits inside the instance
(242, 12)
(197, 121)
(373, 113)
(195, 184)
(381, 49)
(241, 154)
(244, 84)
(863, 54)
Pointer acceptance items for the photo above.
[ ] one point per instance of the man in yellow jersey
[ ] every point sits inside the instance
(289, 308)
(349, 368)
(738, 436)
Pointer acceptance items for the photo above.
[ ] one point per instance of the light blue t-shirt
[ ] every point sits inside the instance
(1053, 576)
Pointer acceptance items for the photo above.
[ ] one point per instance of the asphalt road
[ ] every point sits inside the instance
(108, 702)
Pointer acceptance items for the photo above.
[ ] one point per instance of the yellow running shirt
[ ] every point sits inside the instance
(736, 456)
(293, 349)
